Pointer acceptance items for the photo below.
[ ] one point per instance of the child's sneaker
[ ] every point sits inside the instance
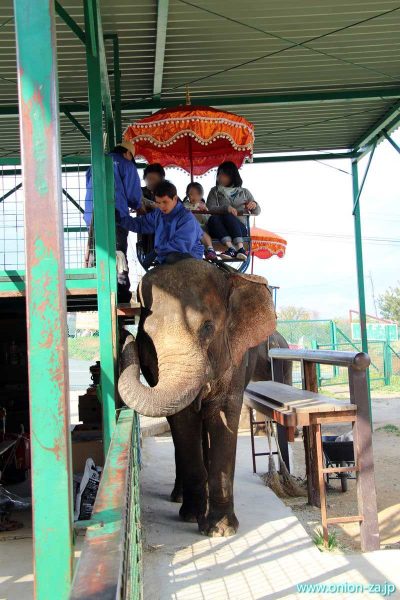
(210, 254)
(242, 254)
(229, 254)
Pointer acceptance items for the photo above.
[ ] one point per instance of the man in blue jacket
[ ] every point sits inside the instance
(177, 232)
(128, 195)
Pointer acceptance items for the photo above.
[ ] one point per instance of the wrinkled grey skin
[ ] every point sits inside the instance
(197, 325)
(259, 368)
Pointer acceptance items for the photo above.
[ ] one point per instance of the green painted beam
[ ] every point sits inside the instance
(85, 160)
(360, 269)
(10, 192)
(94, 32)
(161, 38)
(68, 20)
(117, 85)
(66, 160)
(371, 156)
(385, 93)
(45, 305)
(102, 220)
(78, 125)
(262, 99)
(13, 280)
(110, 562)
(304, 157)
(388, 121)
(74, 202)
(391, 141)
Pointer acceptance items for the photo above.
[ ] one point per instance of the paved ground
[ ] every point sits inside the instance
(79, 374)
(269, 556)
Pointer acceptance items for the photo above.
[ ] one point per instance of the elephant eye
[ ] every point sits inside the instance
(207, 329)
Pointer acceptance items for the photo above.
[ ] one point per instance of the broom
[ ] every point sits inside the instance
(287, 481)
(271, 478)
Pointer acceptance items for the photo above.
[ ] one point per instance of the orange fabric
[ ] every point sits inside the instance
(195, 139)
(265, 244)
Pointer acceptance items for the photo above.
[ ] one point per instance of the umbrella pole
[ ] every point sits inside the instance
(191, 159)
(252, 263)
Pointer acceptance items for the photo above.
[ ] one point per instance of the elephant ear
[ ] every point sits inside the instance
(251, 314)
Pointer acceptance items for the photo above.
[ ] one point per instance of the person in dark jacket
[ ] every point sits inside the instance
(128, 195)
(177, 234)
(227, 198)
(153, 175)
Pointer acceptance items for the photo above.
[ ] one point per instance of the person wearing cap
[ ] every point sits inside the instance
(128, 195)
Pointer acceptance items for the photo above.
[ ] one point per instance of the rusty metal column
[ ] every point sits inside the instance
(45, 288)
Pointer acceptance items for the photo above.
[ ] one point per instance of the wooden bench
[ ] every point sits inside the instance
(291, 407)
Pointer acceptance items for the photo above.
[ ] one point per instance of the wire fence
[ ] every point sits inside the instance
(12, 228)
(327, 335)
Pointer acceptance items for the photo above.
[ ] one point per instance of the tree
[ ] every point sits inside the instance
(389, 304)
(295, 313)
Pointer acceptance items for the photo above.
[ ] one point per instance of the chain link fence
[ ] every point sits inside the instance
(327, 335)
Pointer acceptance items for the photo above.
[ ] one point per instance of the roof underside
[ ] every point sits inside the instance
(272, 62)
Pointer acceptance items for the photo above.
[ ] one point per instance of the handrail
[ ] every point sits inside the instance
(359, 361)
(109, 566)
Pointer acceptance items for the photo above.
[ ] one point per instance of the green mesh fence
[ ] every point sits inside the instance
(327, 335)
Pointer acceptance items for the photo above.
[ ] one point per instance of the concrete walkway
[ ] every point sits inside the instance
(268, 557)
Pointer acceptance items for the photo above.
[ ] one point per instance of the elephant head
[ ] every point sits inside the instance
(196, 324)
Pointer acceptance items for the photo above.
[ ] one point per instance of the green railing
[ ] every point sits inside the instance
(110, 565)
(326, 335)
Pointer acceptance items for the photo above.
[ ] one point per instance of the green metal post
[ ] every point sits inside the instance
(360, 270)
(102, 220)
(117, 90)
(117, 85)
(314, 346)
(334, 344)
(45, 289)
(110, 191)
(387, 359)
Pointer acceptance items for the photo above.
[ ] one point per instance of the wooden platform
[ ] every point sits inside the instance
(290, 406)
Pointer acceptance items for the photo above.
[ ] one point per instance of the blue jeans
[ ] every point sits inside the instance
(226, 228)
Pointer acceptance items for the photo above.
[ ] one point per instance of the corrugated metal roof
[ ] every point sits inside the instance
(224, 49)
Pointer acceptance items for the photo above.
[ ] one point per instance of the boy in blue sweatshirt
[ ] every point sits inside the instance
(128, 195)
(177, 233)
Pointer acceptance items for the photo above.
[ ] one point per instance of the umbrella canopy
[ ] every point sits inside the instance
(265, 244)
(194, 138)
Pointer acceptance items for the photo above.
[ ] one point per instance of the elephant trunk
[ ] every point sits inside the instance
(177, 385)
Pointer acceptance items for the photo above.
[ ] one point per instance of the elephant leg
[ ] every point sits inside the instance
(177, 492)
(220, 519)
(186, 429)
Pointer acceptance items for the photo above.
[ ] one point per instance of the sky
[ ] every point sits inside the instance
(310, 205)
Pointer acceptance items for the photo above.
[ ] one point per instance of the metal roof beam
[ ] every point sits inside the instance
(389, 121)
(161, 38)
(117, 84)
(68, 20)
(389, 139)
(77, 125)
(304, 157)
(294, 98)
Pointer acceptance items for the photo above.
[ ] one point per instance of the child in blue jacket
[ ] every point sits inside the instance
(177, 233)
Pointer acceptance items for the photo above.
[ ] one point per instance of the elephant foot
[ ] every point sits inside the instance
(187, 516)
(176, 495)
(193, 506)
(219, 524)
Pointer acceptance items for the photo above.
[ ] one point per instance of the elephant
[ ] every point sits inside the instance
(197, 327)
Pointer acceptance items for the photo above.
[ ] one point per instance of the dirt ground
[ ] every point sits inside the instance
(386, 411)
